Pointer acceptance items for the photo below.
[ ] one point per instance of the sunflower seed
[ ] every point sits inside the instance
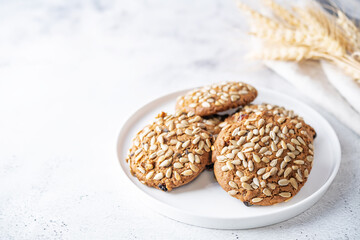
(266, 176)
(194, 167)
(160, 139)
(283, 182)
(169, 153)
(306, 173)
(141, 169)
(265, 139)
(293, 183)
(221, 158)
(197, 159)
(187, 173)
(233, 184)
(310, 158)
(149, 175)
(202, 144)
(204, 135)
(265, 160)
(298, 177)
(177, 176)
(261, 122)
(191, 157)
(196, 140)
(281, 120)
(262, 131)
(256, 158)
(165, 163)
(298, 125)
(255, 139)
(251, 166)
(256, 181)
(199, 151)
(178, 165)
(273, 171)
(244, 178)
(224, 168)
(236, 162)
(299, 162)
(261, 171)
(168, 173)
(291, 147)
(245, 164)
(288, 170)
(241, 156)
(247, 145)
(273, 147)
(293, 140)
(184, 160)
(232, 192)
(235, 132)
(279, 152)
(239, 174)
(256, 200)
(246, 186)
(192, 105)
(283, 144)
(153, 155)
(229, 165)
(276, 129)
(267, 192)
(230, 156)
(263, 150)
(242, 132)
(247, 150)
(205, 104)
(285, 194)
(273, 162)
(185, 144)
(290, 154)
(287, 159)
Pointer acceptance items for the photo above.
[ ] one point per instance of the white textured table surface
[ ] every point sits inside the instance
(71, 72)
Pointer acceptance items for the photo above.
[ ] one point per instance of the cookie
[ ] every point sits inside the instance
(170, 152)
(269, 108)
(263, 159)
(216, 98)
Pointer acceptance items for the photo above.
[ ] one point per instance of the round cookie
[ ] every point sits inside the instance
(170, 152)
(264, 158)
(216, 98)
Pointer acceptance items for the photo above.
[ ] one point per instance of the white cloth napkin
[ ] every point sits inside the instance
(317, 80)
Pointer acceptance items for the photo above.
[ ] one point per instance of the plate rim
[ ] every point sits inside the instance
(306, 201)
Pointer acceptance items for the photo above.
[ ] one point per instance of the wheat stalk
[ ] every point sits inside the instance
(307, 33)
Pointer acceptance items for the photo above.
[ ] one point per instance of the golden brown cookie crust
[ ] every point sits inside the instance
(170, 152)
(216, 98)
(263, 159)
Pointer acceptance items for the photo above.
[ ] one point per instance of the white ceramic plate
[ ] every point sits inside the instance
(204, 203)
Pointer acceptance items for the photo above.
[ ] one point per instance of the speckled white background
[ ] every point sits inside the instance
(71, 72)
